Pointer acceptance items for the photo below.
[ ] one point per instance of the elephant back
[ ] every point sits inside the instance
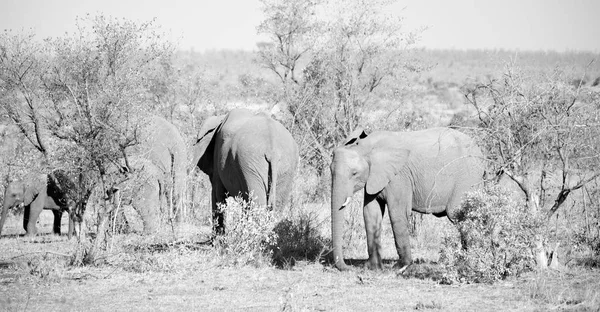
(162, 144)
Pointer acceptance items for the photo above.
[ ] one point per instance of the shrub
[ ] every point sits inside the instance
(496, 238)
(297, 238)
(249, 231)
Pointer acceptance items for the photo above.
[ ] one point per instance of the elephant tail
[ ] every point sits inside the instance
(271, 182)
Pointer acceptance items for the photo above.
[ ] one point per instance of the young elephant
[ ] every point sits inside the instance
(157, 185)
(426, 171)
(245, 152)
(54, 191)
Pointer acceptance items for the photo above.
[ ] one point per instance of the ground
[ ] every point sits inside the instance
(35, 276)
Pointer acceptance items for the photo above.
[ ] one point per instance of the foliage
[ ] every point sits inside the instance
(80, 99)
(248, 232)
(542, 133)
(496, 238)
(539, 134)
(330, 56)
(560, 292)
(298, 238)
(22, 64)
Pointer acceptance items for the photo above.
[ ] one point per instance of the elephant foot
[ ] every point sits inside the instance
(374, 265)
(342, 267)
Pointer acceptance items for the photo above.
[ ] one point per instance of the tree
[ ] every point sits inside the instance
(22, 65)
(542, 134)
(87, 93)
(331, 56)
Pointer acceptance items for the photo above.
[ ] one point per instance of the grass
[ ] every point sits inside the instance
(166, 273)
(575, 289)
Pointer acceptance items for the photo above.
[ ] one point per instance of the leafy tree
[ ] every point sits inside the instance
(331, 56)
(542, 134)
(88, 94)
(22, 64)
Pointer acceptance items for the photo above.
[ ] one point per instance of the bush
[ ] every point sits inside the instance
(249, 232)
(298, 239)
(496, 238)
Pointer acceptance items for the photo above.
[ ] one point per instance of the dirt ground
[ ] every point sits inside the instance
(34, 276)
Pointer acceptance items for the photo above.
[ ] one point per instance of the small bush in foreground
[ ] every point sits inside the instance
(249, 231)
(297, 238)
(496, 238)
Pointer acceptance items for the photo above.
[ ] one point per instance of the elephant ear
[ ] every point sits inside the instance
(204, 148)
(356, 135)
(384, 164)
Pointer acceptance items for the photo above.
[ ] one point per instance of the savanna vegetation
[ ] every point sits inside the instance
(527, 240)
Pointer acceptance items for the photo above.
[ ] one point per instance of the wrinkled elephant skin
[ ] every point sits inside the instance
(246, 153)
(426, 171)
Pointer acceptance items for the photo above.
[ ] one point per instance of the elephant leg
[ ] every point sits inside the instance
(373, 215)
(26, 213)
(257, 185)
(57, 220)
(147, 204)
(32, 213)
(218, 216)
(399, 210)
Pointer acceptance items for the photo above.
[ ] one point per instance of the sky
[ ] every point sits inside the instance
(559, 25)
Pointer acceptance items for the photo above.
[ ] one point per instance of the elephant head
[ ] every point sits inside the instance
(13, 197)
(354, 167)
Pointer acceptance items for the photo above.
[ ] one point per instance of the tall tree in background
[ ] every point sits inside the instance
(331, 56)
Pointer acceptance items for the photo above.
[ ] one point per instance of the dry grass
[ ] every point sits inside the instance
(163, 273)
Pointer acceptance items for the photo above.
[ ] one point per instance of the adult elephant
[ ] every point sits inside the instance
(242, 153)
(427, 171)
(158, 170)
(54, 191)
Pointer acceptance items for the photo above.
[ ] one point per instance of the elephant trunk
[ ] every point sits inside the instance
(5, 207)
(339, 199)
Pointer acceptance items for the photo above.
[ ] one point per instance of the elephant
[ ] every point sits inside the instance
(158, 170)
(245, 153)
(54, 191)
(426, 171)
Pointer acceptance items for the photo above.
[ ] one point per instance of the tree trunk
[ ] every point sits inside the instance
(541, 259)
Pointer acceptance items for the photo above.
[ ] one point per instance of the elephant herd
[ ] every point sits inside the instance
(244, 153)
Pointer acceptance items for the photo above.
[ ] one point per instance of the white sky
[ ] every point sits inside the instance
(231, 24)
